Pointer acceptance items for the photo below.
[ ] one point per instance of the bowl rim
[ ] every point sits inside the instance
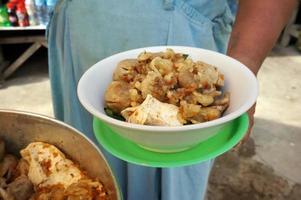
(224, 119)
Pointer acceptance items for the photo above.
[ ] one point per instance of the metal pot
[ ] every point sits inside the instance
(18, 129)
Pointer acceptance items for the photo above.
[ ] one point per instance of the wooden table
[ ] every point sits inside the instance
(36, 41)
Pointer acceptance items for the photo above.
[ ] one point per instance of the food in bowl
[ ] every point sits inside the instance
(239, 81)
(43, 172)
(166, 89)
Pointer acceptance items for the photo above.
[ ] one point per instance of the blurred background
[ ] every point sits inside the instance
(267, 167)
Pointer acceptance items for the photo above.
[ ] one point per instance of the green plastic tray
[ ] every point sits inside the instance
(209, 149)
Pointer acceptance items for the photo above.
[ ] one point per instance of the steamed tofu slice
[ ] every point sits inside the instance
(153, 112)
(48, 166)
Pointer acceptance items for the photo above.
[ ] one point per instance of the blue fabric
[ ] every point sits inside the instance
(81, 33)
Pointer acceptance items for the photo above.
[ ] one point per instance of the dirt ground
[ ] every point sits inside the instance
(236, 176)
(268, 167)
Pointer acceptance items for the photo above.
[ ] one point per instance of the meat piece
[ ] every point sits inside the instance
(153, 112)
(224, 100)
(186, 74)
(144, 56)
(188, 110)
(191, 99)
(221, 80)
(117, 96)
(173, 98)
(171, 80)
(184, 65)
(154, 85)
(203, 99)
(8, 166)
(85, 189)
(3, 182)
(181, 94)
(125, 70)
(164, 66)
(56, 192)
(21, 188)
(208, 114)
(211, 92)
(5, 195)
(208, 76)
(23, 167)
(186, 79)
(148, 56)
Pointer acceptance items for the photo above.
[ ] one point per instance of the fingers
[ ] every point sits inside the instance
(251, 113)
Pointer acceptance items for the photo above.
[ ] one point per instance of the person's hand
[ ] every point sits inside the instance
(251, 113)
(254, 66)
(255, 32)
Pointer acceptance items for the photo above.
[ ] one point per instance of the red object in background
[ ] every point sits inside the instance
(15, 2)
(22, 14)
(12, 16)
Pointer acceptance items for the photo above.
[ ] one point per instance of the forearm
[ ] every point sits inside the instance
(257, 26)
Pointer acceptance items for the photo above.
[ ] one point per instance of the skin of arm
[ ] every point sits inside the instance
(256, 29)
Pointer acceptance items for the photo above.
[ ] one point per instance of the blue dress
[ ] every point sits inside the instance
(81, 33)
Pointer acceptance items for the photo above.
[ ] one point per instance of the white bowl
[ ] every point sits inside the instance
(239, 81)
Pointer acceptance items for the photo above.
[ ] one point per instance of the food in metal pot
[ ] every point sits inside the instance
(43, 172)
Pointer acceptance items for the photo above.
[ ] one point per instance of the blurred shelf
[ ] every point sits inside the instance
(12, 28)
(20, 35)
